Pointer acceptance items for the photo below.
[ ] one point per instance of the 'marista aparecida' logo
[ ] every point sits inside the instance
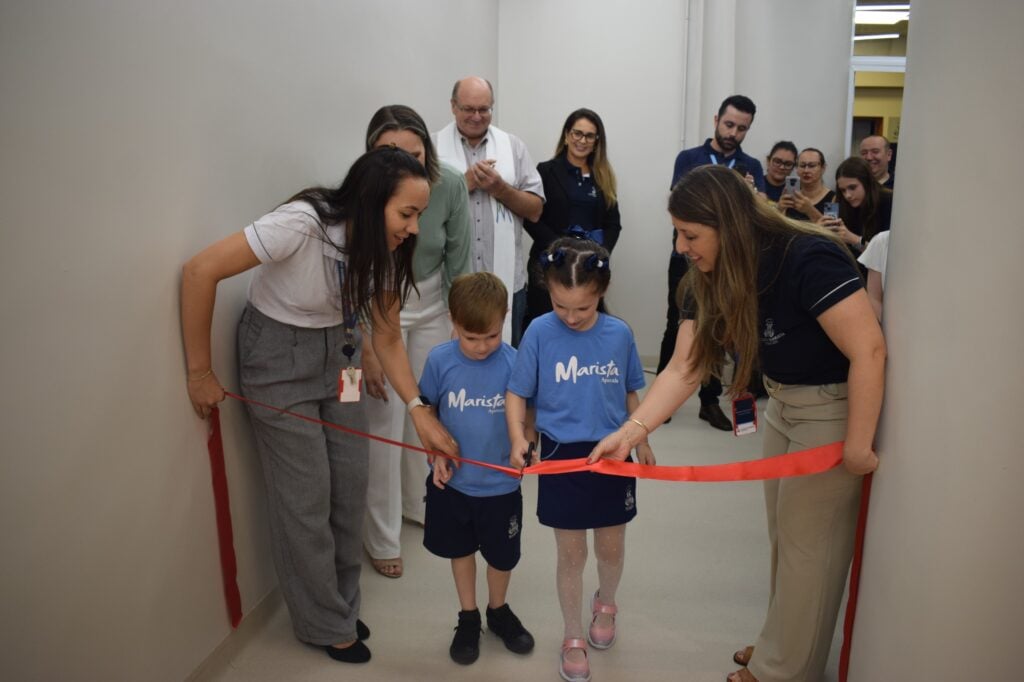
(459, 401)
(571, 371)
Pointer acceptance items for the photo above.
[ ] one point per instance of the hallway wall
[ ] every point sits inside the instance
(944, 551)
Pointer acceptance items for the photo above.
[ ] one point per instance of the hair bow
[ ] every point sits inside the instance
(556, 258)
(595, 262)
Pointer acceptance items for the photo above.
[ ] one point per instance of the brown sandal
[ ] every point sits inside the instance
(389, 568)
(742, 657)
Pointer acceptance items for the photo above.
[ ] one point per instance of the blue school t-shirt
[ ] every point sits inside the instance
(469, 396)
(579, 380)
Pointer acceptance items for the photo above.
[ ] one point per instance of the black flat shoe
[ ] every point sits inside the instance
(713, 415)
(465, 648)
(506, 625)
(357, 653)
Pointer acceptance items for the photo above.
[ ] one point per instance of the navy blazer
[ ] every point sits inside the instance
(554, 221)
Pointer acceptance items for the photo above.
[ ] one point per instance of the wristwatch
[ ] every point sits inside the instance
(418, 401)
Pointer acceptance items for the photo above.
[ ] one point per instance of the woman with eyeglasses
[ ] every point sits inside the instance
(781, 161)
(579, 184)
(442, 254)
(808, 203)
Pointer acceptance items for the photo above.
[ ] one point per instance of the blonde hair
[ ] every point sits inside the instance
(477, 301)
(600, 166)
(726, 298)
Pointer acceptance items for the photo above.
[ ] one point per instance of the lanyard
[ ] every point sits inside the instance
(349, 318)
(714, 160)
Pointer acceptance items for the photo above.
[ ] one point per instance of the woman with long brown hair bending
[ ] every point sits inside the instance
(787, 294)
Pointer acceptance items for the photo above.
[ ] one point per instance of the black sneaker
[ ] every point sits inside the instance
(502, 622)
(465, 646)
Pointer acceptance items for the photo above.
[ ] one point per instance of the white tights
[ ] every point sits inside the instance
(610, 549)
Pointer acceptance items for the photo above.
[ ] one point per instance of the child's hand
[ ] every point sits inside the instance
(442, 472)
(644, 454)
(522, 450)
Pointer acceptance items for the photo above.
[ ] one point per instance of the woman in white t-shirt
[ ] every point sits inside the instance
(874, 258)
(327, 259)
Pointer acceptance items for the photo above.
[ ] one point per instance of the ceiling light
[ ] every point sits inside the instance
(880, 18)
(878, 36)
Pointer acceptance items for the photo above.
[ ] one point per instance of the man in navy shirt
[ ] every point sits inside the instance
(734, 118)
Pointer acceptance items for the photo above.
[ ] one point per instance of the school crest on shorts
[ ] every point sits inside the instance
(513, 527)
(630, 500)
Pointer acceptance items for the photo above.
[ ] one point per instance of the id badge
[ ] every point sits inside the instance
(350, 385)
(744, 415)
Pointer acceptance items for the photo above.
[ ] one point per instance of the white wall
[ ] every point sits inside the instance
(941, 597)
(624, 61)
(133, 134)
(793, 60)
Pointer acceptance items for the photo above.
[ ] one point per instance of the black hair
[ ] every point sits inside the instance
(574, 262)
(739, 102)
(373, 274)
(784, 144)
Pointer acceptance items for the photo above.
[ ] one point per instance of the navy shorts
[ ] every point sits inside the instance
(457, 525)
(583, 499)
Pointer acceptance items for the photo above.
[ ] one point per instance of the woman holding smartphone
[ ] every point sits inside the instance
(808, 203)
(865, 207)
(781, 161)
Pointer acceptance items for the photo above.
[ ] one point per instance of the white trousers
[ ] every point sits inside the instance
(397, 476)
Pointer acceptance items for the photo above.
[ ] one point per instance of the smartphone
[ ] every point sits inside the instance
(792, 184)
(831, 209)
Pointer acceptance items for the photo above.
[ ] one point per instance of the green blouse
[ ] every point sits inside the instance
(444, 237)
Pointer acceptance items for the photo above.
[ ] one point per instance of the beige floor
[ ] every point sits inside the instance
(694, 590)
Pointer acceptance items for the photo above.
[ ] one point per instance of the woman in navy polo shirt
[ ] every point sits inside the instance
(579, 184)
(789, 295)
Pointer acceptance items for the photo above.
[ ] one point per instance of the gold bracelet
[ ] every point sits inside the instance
(201, 376)
(640, 424)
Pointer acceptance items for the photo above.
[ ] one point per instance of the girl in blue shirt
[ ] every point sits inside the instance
(582, 371)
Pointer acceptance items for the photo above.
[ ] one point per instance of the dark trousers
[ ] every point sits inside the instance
(711, 391)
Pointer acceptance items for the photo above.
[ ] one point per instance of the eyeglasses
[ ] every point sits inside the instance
(808, 165)
(483, 111)
(784, 165)
(580, 136)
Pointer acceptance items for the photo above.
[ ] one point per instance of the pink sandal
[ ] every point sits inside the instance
(574, 672)
(601, 637)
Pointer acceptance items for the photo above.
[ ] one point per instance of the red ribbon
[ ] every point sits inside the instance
(812, 461)
(225, 538)
(803, 463)
(858, 557)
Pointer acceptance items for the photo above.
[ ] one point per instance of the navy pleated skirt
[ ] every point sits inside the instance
(584, 499)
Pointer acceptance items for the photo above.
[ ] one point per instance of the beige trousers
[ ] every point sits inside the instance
(811, 524)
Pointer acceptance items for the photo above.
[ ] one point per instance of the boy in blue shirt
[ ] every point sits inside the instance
(472, 508)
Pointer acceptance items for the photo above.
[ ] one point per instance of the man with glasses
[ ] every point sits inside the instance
(876, 151)
(504, 189)
(735, 115)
